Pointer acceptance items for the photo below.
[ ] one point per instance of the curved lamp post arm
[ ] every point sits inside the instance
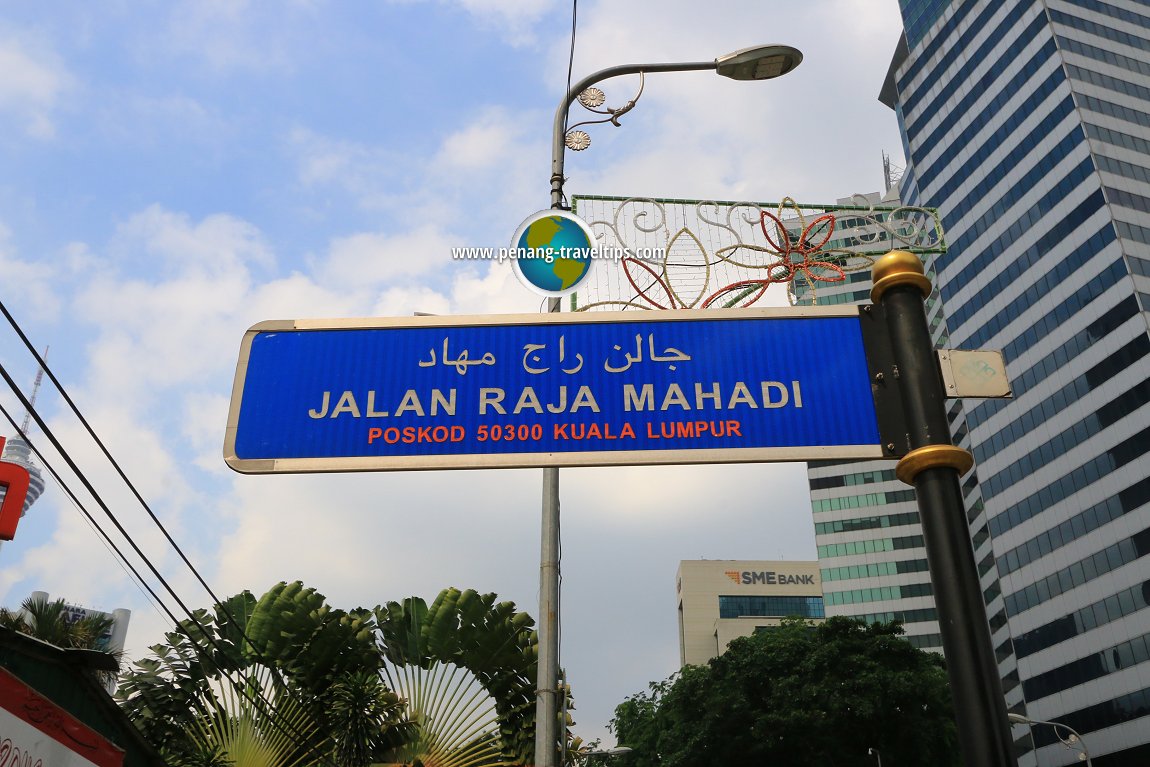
(557, 133)
(1072, 741)
(762, 62)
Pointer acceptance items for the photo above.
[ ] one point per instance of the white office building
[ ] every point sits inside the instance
(722, 599)
(1027, 125)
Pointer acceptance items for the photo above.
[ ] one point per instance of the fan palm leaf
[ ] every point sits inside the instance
(466, 667)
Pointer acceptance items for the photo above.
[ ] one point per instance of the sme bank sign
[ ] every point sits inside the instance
(770, 577)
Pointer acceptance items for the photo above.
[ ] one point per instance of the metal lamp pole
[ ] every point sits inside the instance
(933, 466)
(759, 63)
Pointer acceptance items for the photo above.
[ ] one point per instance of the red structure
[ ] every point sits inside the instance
(14, 479)
(37, 731)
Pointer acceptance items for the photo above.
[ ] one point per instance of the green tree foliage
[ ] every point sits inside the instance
(466, 666)
(798, 694)
(51, 622)
(288, 645)
(247, 733)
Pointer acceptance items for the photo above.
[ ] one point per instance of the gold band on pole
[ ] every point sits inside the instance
(899, 267)
(933, 457)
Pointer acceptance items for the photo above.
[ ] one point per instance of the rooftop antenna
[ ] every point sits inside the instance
(35, 391)
(891, 172)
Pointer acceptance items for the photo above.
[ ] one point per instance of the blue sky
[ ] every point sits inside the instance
(174, 172)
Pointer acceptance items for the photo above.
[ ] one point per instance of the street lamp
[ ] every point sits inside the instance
(759, 63)
(874, 752)
(763, 62)
(1072, 740)
(616, 751)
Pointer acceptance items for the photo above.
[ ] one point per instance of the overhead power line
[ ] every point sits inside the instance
(262, 703)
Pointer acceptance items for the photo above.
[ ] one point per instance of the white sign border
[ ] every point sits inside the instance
(529, 460)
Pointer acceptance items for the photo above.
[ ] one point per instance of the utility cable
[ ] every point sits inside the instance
(567, 90)
(107, 454)
(263, 704)
(132, 487)
(298, 736)
(559, 516)
(570, 57)
(83, 510)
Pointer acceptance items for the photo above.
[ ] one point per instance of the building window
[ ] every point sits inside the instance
(857, 478)
(869, 547)
(1060, 400)
(1111, 558)
(1113, 459)
(1095, 666)
(878, 594)
(1133, 497)
(1080, 621)
(861, 501)
(770, 606)
(866, 523)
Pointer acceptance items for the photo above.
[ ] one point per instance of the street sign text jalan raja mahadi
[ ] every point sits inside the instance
(588, 389)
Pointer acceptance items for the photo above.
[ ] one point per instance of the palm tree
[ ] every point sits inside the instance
(52, 622)
(246, 732)
(279, 678)
(466, 669)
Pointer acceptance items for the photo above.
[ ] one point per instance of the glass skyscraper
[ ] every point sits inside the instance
(1027, 125)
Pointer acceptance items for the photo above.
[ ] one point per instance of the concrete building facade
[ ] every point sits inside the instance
(722, 599)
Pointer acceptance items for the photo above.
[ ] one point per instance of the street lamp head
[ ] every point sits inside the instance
(1018, 719)
(616, 751)
(762, 62)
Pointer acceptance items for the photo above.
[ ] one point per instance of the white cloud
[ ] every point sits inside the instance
(156, 122)
(33, 82)
(225, 34)
(297, 295)
(146, 456)
(374, 258)
(372, 176)
(492, 290)
(386, 536)
(35, 282)
(199, 429)
(485, 176)
(216, 245)
(489, 141)
(180, 326)
(514, 20)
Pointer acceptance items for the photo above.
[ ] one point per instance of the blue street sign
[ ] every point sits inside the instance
(597, 388)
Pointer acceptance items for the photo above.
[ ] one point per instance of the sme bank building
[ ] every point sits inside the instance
(722, 599)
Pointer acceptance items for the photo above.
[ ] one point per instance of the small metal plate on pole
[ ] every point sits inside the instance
(974, 374)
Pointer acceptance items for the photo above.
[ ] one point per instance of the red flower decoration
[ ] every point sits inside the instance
(797, 256)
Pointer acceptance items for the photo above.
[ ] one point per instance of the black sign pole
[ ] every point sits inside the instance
(933, 466)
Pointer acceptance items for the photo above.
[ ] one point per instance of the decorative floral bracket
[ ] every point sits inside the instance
(760, 245)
